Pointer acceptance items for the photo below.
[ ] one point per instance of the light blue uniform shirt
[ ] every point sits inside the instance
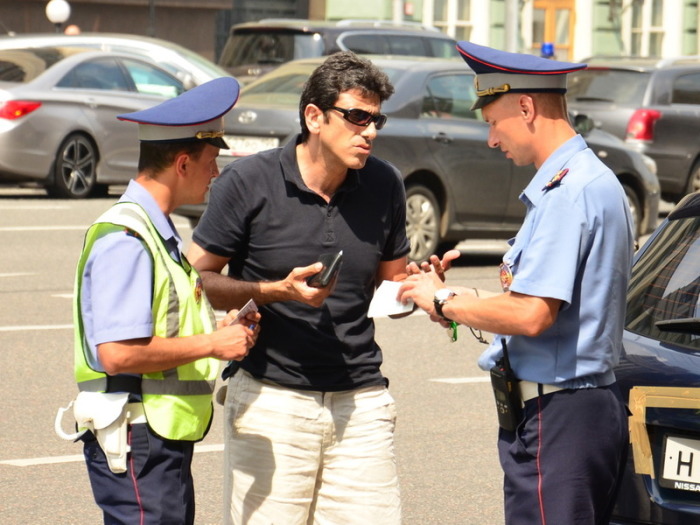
(575, 245)
(117, 286)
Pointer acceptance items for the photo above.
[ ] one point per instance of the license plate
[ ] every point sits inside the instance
(681, 464)
(241, 146)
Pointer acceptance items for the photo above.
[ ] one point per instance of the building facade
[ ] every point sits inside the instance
(577, 28)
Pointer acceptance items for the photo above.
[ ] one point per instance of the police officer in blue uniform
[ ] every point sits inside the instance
(560, 316)
(147, 352)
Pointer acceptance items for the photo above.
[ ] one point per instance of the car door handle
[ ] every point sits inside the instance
(442, 138)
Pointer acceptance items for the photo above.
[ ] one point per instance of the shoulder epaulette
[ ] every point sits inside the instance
(556, 180)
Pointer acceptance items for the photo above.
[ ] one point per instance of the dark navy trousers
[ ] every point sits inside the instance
(564, 463)
(157, 487)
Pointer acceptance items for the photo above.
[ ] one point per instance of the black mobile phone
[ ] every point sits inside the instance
(331, 266)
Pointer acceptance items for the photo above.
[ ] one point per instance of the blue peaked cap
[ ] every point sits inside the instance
(196, 114)
(499, 72)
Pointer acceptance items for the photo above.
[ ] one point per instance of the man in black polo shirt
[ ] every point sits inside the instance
(309, 419)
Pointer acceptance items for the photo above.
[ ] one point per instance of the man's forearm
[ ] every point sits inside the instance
(506, 314)
(225, 293)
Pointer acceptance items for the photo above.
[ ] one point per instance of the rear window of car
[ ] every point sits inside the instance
(664, 292)
(624, 87)
(397, 44)
(24, 65)
(269, 47)
(686, 89)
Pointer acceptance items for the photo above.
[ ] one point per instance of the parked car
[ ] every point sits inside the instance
(255, 48)
(651, 104)
(659, 374)
(58, 108)
(191, 68)
(456, 186)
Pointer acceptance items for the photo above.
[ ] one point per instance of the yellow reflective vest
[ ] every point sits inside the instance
(177, 402)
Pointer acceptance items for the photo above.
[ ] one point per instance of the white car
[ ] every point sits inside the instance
(191, 68)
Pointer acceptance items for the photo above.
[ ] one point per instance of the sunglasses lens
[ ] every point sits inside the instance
(380, 121)
(359, 117)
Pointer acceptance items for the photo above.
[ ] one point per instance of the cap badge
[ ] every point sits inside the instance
(209, 134)
(556, 180)
(506, 276)
(503, 88)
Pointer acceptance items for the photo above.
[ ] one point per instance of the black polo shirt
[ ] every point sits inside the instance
(263, 217)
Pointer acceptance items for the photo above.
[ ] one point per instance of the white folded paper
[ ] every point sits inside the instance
(384, 302)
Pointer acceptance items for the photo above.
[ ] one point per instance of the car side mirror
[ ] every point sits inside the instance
(187, 80)
(583, 124)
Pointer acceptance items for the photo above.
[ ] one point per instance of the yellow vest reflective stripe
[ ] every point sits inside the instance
(177, 402)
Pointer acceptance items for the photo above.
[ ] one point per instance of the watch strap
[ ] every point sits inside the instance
(438, 309)
(439, 303)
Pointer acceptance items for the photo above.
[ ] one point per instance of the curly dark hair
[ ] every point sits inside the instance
(339, 73)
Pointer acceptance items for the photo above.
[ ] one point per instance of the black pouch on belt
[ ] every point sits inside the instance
(506, 392)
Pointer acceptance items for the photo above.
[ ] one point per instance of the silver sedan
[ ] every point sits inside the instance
(58, 108)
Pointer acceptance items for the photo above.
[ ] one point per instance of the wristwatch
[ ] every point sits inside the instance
(442, 295)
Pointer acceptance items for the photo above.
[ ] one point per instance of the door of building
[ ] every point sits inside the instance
(553, 22)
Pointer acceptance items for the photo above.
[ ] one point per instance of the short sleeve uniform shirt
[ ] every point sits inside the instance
(575, 245)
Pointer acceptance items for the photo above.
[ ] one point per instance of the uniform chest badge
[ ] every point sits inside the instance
(506, 276)
(198, 287)
(556, 180)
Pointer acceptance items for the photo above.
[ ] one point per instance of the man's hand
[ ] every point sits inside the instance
(435, 264)
(298, 289)
(421, 288)
(234, 341)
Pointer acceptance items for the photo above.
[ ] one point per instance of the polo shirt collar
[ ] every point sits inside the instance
(554, 163)
(291, 173)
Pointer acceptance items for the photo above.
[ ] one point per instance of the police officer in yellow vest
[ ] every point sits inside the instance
(147, 351)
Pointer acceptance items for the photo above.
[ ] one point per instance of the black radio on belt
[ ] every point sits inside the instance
(506, 392)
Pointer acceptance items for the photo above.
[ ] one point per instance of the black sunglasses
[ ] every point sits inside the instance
(360, 117)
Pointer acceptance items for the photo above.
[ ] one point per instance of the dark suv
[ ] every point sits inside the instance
(255, 48)
(654, 106)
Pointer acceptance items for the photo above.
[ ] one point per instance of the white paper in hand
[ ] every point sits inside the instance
(248, 307)
(384, 302)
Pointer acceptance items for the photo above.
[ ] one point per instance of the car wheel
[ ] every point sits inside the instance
(75, 168)
(635, 208)
(422, 222)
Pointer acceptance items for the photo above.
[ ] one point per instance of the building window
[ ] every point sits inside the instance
(553, 22)
(452, 17)
(647, 32)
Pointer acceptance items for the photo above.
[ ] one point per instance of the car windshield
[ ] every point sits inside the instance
(24, 65)
(269, 47)
(663, 300)
(623, 87)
